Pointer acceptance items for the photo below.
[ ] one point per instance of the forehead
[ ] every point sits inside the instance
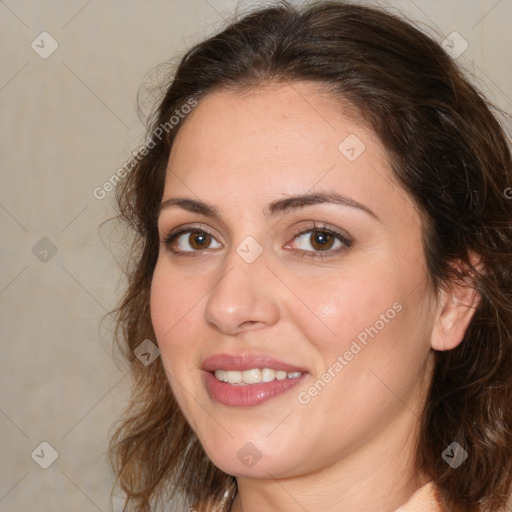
(278, 140)
(300, 118)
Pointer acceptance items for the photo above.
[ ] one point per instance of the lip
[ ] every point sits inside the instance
(246, 362)
(248, 395)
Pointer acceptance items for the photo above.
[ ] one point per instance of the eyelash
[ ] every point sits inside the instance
(347, 243)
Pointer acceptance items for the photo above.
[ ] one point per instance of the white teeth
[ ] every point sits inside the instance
(234, 377)
(221, 375)
(268, 375)
(251, 376)
(254, 375)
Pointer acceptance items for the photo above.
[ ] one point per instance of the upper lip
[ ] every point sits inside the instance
(246, 362)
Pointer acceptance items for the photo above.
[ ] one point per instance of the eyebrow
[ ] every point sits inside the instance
(279, 206)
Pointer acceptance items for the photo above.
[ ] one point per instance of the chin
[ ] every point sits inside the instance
(253, 454)
(249, 462)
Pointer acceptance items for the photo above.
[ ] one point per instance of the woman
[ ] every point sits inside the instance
(323, 258)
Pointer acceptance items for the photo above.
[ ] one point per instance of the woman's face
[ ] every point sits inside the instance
(300, 270)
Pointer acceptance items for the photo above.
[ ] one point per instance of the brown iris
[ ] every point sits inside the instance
(321, 240)
(199, 240)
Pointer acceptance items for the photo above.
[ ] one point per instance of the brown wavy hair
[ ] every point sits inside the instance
(451, 155)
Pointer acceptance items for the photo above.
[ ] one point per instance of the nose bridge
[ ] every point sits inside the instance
(241, 296)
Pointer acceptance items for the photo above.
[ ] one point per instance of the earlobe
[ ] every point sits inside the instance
(456, 307)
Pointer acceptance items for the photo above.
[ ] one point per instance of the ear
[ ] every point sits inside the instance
(456, 305)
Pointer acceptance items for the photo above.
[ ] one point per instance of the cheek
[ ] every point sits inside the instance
(372, 322)
(173, 297)
(173, 303)
(341, 306)
(376, 354)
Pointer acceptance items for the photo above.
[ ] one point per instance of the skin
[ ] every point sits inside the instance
(351, 448)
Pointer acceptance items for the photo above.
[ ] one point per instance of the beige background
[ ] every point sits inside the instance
(68, 122)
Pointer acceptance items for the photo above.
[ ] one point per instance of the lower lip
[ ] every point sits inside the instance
(250, 394)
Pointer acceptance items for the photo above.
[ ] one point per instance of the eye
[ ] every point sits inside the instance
(320, 240)
(190, 240)
(316, 242)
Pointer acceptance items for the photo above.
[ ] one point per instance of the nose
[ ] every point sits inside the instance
(244, 297)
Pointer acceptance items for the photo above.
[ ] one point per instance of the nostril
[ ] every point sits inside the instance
(249, 323)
